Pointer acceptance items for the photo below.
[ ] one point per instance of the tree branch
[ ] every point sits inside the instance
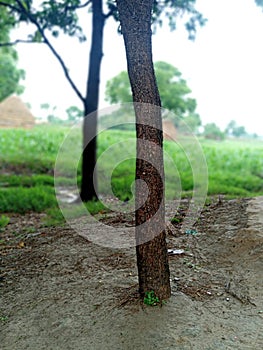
(12, 7)
(107, 15)
(33, 20)
(78, 7)
(12, 43)
(65, 70)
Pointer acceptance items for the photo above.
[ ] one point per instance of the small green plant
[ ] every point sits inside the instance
(176, 220)
(151, 299)
(54, 217)
(4, 221)
(3, 318)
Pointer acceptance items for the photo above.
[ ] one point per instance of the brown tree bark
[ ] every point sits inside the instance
(152, 258)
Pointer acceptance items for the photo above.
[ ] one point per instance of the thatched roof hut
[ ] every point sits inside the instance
(15, 114)
(169, 130)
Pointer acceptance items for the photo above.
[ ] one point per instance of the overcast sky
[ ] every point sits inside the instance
(223, 66)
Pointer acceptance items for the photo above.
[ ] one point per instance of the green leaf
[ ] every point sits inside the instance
(55, 33)
(37, 37)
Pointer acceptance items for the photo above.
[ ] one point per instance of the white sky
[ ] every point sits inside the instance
(223, 67)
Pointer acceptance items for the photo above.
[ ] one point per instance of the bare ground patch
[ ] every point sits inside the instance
(60, 291)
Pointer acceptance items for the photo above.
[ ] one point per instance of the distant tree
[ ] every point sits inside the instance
(52, 119)
(6, 24)
(212, 131)
(191, 123)
(10, 76)
(233, 129)
(45, 106)
(118, 89)
(50, 113)
(230, 127)
(74, 114)
(173, 89)
(239, 131)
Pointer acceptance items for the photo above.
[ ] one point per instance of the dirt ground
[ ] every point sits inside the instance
(61, 291)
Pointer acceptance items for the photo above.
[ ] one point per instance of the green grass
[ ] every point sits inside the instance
(27, 158)
(30, 150)
(33, 180)
(21, 200)
(4, 221)
(55, 215)
(235, 167)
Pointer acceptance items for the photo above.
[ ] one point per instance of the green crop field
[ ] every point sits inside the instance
(27, 160)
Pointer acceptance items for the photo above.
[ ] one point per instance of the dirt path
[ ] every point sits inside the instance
(60, 291)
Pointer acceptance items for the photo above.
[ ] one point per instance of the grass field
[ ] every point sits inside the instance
(27, 158)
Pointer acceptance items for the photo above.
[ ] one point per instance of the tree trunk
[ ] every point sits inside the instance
(89, 178)
(152, 257)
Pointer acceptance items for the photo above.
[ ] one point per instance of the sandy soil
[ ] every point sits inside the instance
(61, 291)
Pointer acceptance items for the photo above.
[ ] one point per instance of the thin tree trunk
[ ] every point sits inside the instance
(152, 258)
(89, 178)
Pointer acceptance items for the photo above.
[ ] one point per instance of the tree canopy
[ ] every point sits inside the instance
(173, 88)
(6, 24)
(233, 129)
(10, 76)
(212, 131)
(61, 16)
(55, 17)
(259, 3)
(74, 114)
